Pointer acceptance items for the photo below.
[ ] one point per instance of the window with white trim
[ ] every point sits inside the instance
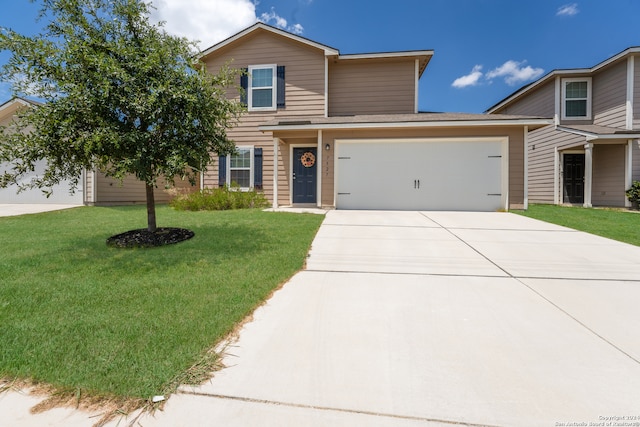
(262, 93)
(576, 98)
(240, 167)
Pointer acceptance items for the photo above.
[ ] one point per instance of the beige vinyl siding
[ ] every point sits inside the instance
(541, 145)
(6, 121)
(516, 153)
(610, 96)
(371, 87)
(304, 71)
(608, 177)
(304, 96)
(538, 103)
(111, 191)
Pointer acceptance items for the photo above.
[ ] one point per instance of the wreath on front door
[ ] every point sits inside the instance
(308, 159)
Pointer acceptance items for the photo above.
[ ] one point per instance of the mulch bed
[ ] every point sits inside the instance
(143, 238)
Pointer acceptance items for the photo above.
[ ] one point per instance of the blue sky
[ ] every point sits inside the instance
(484, 49)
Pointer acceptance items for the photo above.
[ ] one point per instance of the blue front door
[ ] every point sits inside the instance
(304, 175)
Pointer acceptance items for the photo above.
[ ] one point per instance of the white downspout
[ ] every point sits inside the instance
(630, 90)
(556, 177)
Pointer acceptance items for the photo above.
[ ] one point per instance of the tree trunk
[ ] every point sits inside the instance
(151, 209)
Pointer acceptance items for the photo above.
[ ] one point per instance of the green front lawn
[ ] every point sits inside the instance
(84, 317)
(615, 224)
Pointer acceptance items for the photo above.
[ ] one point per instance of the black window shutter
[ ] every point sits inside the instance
(244, 84)
(222, 171)
(281, 85)
(257, 168)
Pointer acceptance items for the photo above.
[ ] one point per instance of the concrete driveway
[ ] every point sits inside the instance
(436, 319)
(14, 209)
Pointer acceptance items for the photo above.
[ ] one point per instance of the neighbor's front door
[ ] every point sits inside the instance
(304, 175)
(573, 178)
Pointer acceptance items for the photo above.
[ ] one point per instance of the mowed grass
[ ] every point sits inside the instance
(615, 224)
(84, 317)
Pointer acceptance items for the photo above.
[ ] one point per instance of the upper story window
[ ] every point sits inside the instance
(264, 87)
(576, 98)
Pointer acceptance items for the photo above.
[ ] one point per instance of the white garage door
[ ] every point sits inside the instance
(427, 174)
(60, 193)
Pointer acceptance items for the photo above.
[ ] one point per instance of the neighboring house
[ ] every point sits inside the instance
(590, 155)
(332, 130)
(106, 191)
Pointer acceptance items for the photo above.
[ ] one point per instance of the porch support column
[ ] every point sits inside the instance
(556, 176)
(319, 169)
(276, 143)
(628, 176)
(588, 173)
(526, 168)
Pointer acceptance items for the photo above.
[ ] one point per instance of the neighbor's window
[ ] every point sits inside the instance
(576, 98)
(240, 168)
(262, 87)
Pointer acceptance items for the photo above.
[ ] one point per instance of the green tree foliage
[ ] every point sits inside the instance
(120, 94)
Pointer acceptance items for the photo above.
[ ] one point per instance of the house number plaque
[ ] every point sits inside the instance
(308, 159)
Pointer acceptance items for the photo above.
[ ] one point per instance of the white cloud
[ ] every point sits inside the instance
(272, 18)
(209, 21)
(568, 10)
(515, 72)
(470, 79)
(5, 92)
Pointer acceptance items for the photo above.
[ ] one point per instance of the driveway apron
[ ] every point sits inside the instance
(436, 319)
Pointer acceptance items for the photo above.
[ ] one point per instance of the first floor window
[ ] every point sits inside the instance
(241, 168)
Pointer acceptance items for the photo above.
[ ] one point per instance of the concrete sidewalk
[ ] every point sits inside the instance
(433, 319)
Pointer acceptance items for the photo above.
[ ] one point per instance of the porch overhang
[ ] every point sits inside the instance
(595, 133)
(403, 121)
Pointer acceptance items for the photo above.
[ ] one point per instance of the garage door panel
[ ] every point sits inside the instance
(60, 194)
(419, 175)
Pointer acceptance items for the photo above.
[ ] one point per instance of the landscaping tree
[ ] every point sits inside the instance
(120, 95)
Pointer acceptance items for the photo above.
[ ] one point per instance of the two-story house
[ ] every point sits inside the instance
(590, 155)
(333, 130)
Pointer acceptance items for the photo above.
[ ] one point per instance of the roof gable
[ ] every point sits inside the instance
(10, 107)
(525, 90)
(423, 56)
(259, 26)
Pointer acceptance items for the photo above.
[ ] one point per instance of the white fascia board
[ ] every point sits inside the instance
(13, 101)
(382, 55)
(405, 125)
(590, 136)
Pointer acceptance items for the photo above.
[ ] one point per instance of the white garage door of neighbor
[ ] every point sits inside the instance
(60, 193)
(426, 174)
